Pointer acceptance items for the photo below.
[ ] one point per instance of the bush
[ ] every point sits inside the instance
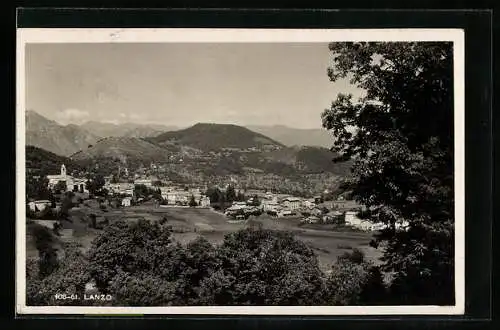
(353, 281)
(264, 267)
(356, 256)
(47, 255)
(128, 247)
(69, 278)
(139, 265)
(56, 227)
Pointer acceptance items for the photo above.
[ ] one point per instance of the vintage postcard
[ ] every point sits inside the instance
(240, 171)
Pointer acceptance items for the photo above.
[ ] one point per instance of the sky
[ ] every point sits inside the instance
(182, 84)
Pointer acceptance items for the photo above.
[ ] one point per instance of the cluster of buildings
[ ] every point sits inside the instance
(312, 210)
(121, 188)
(279, 205)
(178, 196)
(171, 195)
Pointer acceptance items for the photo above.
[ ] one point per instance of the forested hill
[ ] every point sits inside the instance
(124, 149)
(207, 137)
(43, 162)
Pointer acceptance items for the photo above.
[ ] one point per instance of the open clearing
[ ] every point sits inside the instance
(189, 223)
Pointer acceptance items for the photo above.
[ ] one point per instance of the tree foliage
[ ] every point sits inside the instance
(255, 201)
(214, 194)
(37, 188)
(47, 253)
(138, 265)
(230, 194)
(128, 248)
(143, 191)
(66, 205)
(264, 267)
(355, 281)
(70, 278)
(250, 267)
(95, 185)
(192, 201)
(400, 136)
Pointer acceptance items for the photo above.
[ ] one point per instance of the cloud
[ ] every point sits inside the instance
(73, 116)
(111, 121)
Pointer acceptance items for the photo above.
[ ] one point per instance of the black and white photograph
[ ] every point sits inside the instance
(198, 171)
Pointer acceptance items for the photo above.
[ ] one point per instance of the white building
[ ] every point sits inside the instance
(164, 192)
(126, 201)
(121, 188)
(402, 225)
(39, 205)
(309, 203)
(145, 182)
(176, 196)
(270, 205)
(351, 219)
(292, 203)
(72, 184)
(204, 201)
(286, 213)
(237, 206)
(196, 193)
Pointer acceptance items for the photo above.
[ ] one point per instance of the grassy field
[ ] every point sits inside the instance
(189, 223)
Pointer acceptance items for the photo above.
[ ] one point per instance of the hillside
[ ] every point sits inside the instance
(126, 129)
(295, 136)
(308, 160)
(317, 160)
(49, 135)
(124, 149)
(43, 162)
(208, 137)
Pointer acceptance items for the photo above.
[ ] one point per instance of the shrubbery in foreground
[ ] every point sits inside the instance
(139, 265)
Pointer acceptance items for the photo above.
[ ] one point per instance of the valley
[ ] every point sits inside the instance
(188, 223)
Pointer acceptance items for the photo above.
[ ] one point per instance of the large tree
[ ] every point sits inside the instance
(230, 194)
(127, 248)
(400, 136)
(37, 187)
(264, 267)
(95, 185)
(69, 278)
(47, 253)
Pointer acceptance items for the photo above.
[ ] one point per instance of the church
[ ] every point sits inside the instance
(72, 184)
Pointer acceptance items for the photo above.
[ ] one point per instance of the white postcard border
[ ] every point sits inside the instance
(69, 35)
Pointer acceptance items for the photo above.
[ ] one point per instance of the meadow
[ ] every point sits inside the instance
(188, 223)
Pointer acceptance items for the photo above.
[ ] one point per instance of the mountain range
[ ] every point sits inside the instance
(51, 136)
(200, 150)
(295, 136)
(66, 140)
(126, 129)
